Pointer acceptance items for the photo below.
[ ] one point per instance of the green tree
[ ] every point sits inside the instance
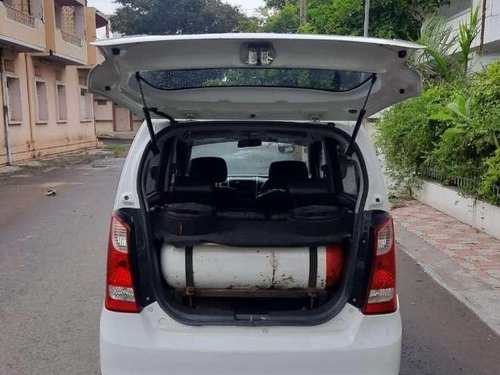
(285, 21)
(175, 17)
(279, 4)
(388, 19)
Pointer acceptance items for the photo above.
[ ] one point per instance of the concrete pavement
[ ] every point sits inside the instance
(460, 258)
(52, 267)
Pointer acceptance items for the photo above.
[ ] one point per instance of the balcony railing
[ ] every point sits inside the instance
(20, 16)
(70, 38)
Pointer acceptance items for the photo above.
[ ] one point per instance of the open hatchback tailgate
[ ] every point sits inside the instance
(286, 77)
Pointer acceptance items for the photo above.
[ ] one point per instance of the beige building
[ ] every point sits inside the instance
(113, 120)
(45, 58)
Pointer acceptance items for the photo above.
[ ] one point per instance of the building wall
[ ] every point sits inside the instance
(111, 118)
(3, 149)
(44, 75)
(19, 131)
(33, 137)
(26, 31)
(459, 12)
(136, 122)
(103, 112)
(75, 130)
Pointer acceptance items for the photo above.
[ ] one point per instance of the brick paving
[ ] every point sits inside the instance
(473, 250)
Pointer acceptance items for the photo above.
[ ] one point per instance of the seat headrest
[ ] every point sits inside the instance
(288, 170)
(210, 169)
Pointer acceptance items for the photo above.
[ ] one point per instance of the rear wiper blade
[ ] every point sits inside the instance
(147, 115)
(350, 148)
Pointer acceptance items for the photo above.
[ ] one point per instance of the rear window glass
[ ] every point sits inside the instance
(351, 180)
(250, 161)
(317, 79)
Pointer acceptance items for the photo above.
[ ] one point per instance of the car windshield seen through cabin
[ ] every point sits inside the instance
(250, 161)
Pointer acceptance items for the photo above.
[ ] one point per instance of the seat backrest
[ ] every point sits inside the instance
(188, 190)
(281, 173)
(310, 192)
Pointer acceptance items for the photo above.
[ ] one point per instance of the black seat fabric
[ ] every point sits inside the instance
(281, 173)
(210, 169)
(188, 190)
(274, 196)
(214, 171)
(310, 192)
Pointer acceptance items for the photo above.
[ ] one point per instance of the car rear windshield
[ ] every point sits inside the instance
(316, 79)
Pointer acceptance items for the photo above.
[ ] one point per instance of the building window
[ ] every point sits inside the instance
(14, 100)
(85, 104)
(42, 108)
(102, 102)
(62, 113)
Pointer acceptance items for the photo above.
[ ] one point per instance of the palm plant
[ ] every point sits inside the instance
(439, 40)
(467, 32)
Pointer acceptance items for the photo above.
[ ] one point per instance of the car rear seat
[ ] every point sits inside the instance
(281, 173)
(311, 192)
(200, 186)
(208, 169)
(274, 195)
(188, 190)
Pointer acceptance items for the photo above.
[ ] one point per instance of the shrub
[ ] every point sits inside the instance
(490, 184)
(485, 127)
(451, 130)
(406, 136)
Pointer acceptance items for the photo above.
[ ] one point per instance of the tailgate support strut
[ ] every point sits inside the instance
(350, 148)
(147, 115)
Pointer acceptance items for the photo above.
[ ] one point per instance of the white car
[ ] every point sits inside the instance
(226, 256)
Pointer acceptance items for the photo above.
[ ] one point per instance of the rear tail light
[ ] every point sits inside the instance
(120, 294)
(382, 287)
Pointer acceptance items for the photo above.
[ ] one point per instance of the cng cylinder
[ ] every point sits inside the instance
(218, 267)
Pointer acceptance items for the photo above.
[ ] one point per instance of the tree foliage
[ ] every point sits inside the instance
(175, 17)
(388, 19)
(279, 4)
(285, 21)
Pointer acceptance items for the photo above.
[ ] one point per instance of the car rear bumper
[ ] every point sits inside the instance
(151, 343)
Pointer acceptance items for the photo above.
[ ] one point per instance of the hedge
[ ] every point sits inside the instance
(451, 132)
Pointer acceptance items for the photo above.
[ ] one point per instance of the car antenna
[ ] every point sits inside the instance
(147, 116)
(350, 148)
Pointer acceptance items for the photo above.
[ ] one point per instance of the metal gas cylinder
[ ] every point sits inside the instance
(217, 267)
